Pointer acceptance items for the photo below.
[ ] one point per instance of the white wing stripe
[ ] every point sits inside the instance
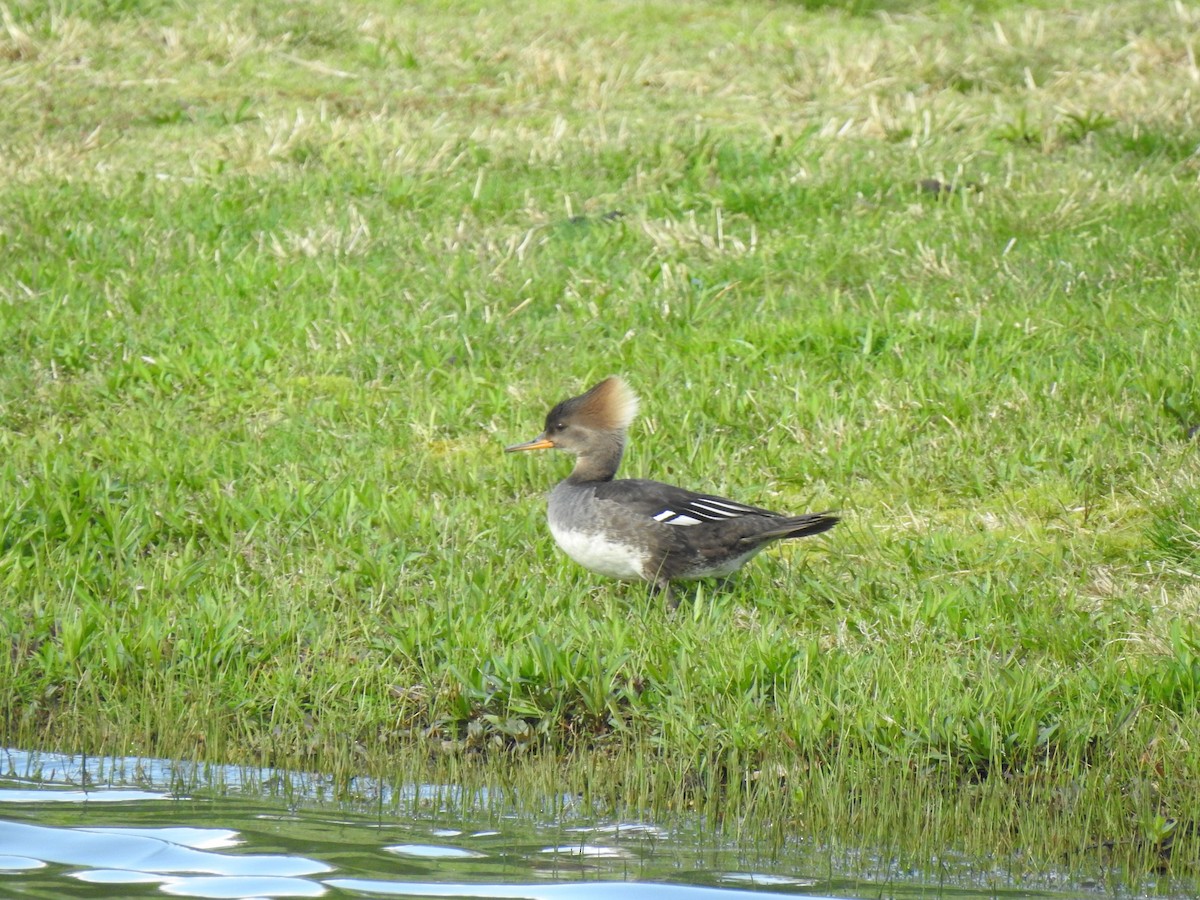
(705, 509)
(703, 506)
(737, 508)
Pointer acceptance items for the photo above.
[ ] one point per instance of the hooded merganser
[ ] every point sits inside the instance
(633, 529)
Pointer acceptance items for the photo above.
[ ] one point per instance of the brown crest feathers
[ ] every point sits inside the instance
(610, 405)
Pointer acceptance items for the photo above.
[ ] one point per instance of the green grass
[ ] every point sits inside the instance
(281, 280)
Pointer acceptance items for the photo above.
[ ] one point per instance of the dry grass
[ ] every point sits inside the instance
(515, 82)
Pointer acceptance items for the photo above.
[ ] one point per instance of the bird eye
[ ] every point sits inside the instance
(560, 426)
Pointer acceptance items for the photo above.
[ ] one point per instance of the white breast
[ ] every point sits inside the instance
(600, 554)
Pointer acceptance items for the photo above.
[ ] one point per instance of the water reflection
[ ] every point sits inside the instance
(142, 850)
(74, 827)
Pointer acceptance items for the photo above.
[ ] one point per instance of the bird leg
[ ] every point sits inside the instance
(663, 586)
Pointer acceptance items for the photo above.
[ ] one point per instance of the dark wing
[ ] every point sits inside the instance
(672, 505)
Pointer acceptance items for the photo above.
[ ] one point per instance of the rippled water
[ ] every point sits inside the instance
(73, 827)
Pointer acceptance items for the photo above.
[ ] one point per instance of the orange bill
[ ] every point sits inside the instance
(541, 442)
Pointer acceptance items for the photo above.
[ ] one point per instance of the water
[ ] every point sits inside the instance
(75, 827)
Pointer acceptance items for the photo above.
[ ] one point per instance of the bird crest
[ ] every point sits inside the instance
(611, 404)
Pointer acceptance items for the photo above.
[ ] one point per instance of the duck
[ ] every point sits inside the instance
(634, 529)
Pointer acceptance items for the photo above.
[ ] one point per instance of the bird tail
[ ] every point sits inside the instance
(794, 527)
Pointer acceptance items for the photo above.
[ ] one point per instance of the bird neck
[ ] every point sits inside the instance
(600, 462)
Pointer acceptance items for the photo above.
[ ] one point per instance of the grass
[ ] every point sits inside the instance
(281, 280)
